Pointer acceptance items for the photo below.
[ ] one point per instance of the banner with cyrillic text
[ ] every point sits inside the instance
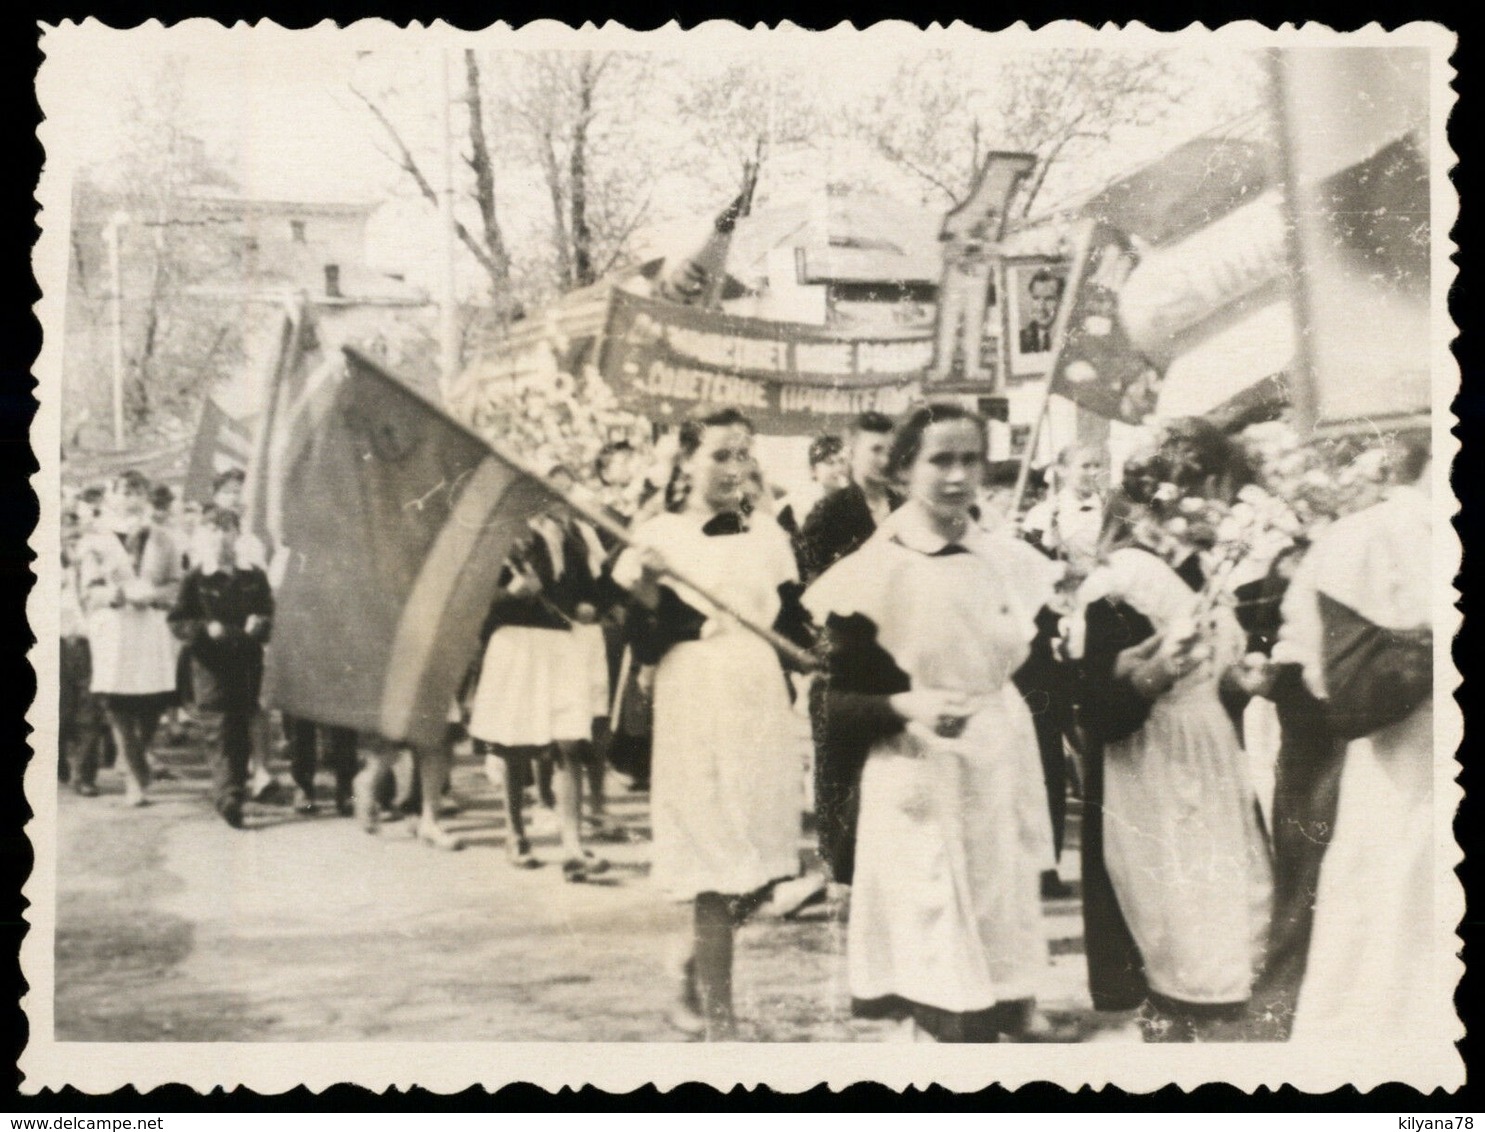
(670, 361)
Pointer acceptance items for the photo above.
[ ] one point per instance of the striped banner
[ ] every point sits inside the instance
(396, 521)
(222, 442)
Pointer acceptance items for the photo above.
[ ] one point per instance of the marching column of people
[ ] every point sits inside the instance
(971, 666)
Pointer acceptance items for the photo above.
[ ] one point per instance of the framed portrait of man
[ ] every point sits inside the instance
(1035, 287)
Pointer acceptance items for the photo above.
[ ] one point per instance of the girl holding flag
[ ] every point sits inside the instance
(726, 795)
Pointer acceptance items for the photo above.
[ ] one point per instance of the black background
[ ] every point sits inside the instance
(20, 342)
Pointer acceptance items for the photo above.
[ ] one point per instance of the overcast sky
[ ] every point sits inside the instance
(276, 104)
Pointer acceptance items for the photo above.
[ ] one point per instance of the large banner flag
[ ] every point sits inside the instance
(294, 369)
(396, 521)
(1097, 365)
(668, 361)
(1356, 131)
(222, 443)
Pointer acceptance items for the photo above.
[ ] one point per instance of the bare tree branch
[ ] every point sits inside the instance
(484, 183)
(409, 164)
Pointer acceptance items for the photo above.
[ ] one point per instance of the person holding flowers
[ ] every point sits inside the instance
(1176, 821)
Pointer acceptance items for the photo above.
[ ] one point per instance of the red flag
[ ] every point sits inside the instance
(1096, 365)
(396, 521)
(222, 442)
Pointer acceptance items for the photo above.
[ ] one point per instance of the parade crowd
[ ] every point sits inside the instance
(1233, 679)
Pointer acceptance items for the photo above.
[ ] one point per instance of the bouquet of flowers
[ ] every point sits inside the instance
(549, 416)
(1298, 488)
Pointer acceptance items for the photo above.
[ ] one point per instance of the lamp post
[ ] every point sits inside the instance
(116, 224)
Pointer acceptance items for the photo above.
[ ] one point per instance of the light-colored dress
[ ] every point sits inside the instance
(1182, 840)
(953, 834)
(134, 652)
(1373, 972)
(726, 791)
(540, 686)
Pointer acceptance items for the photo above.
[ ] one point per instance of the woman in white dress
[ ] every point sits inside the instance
(1181, 839)
(130, 572)
(1381, 966)
(926, 624)
(726, 791)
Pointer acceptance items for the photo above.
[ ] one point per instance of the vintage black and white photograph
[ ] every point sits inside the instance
(585, 556)
(1034, 293)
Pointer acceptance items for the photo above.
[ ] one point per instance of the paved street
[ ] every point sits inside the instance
(173, 927)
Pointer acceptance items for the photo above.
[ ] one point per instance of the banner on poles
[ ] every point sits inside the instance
(670, 361)
(1097, 366)
(1356, 124)
(396, 521)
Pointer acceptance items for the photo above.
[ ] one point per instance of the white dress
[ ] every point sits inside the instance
(1182, 840)
(537, 685)
(726, 784)
(953, 834)
(540, 686)
(134, 652)
(1372, 974)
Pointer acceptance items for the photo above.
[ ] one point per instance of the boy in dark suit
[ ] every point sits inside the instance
(224, 613)
(843, 520)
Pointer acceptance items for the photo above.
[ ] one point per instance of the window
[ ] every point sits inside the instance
(296, 231)
(332, 280)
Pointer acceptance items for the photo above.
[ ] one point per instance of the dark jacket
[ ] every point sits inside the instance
(1109, 708)
(836, 527)
(850, 712)
(226, 671)
(555, 607)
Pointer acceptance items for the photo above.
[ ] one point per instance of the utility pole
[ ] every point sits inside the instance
(116, 224)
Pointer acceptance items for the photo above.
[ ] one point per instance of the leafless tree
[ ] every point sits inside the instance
(939, 115)
(577, 116)
(488, 247)
(176, 343)
(742, 115)
(568, 119)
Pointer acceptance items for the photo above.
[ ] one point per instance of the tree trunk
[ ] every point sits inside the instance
(484, 191)
(577, 175)
(553, 170)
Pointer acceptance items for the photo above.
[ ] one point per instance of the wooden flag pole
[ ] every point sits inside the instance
(1059, 340)
(785, 647)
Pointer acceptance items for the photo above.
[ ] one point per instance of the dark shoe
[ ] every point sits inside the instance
(519, 854)
(1054, 887)
(575, 870)
(304, 803)
(595, 865)
(232, 814)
